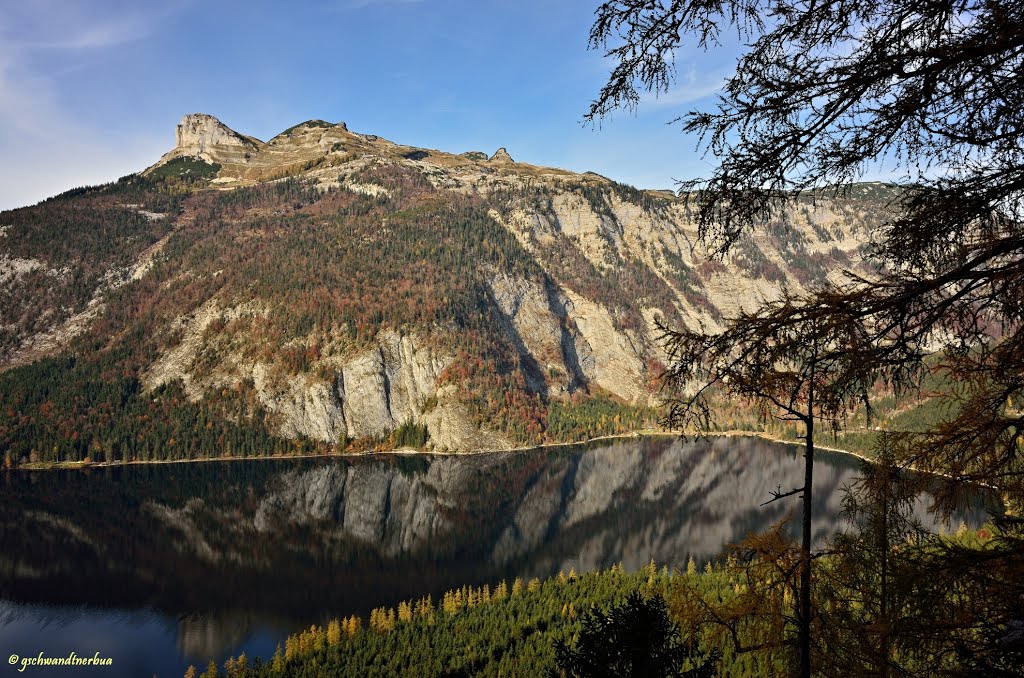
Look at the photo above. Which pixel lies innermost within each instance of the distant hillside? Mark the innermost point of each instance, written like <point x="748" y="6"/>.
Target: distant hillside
<point x="329" y="290"/>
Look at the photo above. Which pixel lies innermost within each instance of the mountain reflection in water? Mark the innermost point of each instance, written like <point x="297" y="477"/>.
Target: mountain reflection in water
<point x="224" y="553"/>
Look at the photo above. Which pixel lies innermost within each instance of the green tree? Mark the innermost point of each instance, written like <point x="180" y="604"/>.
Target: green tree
<point x="634" y="638"/>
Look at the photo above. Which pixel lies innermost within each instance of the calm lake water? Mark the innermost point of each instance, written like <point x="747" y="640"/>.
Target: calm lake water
<point x="159" y="567"/>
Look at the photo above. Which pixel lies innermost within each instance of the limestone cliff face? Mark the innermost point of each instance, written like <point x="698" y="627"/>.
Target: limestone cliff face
<point x="247" y="159"/>
<point x="367" y="394"/>
<point x="204" y="136"/>
<point x="388" y="385"/>
<point x="616" y="354"/>
<point x="573" y="340"/>
<point x="501" y="155"/>
<point x="541" y="325"/>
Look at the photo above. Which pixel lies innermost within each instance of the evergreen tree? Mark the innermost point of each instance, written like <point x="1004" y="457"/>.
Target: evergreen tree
<point x="634" y="638"/>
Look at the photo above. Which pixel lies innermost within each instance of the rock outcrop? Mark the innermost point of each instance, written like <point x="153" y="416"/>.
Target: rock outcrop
<point x="368" y="394"/>
<point x="204" y="136"/>
<point x="501" y="155"/>
<point x="540" y="323"/>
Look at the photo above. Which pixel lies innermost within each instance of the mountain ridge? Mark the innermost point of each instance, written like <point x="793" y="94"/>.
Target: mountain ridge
<point x="245" y="159"/>
<point x="330" y="288"/>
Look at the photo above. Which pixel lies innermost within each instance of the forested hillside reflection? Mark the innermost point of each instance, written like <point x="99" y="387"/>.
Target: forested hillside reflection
<point x="229" y="548"/>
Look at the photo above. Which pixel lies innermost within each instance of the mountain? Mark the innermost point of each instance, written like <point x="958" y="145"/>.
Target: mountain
<point x="328" y="289"/>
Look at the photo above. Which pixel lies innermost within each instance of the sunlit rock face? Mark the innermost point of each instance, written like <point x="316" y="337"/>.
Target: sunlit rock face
<point x="206" y="137"/>
<point x="203" y="136"/>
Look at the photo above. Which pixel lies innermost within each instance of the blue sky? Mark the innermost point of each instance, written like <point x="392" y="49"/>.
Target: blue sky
<point x="90" y="91"/>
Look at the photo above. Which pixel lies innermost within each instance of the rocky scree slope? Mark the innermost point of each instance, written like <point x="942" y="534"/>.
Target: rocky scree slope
<point x="327" y="287"/>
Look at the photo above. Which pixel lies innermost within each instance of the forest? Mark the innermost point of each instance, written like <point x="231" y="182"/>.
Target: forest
<point x="731" y="617"/>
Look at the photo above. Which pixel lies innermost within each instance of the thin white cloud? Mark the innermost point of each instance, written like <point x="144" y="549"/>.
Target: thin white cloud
<point x="46" y="148"/>
<point x="110" y="33"/>
<point x="688" y="88"/>
<point x="63" y="24"/>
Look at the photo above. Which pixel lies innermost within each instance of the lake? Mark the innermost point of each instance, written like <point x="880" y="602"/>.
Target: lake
<point x="162" y="566"/>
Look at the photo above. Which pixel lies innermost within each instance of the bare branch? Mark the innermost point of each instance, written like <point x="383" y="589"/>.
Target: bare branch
<point x="779" y="494"/>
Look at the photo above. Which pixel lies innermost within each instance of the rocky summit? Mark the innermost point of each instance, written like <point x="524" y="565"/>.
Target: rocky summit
<point x="327" y="288"/>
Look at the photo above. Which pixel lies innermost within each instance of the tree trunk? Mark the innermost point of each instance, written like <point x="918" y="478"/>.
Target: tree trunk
<point x="884" y="579"/>
<point x="804" y="613"/>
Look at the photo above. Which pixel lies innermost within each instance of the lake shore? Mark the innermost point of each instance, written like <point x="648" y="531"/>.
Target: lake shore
<point x="408" y="451"/>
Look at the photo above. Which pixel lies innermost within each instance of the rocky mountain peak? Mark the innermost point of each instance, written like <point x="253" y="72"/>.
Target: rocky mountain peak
<point x="502" y="155"/>
<point x="203" y="136"/>
<point x="198" y="134"/>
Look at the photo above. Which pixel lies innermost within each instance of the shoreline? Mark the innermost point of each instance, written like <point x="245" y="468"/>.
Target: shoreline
<point x="401" y="451"/>
<point x="410" y="452"/>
